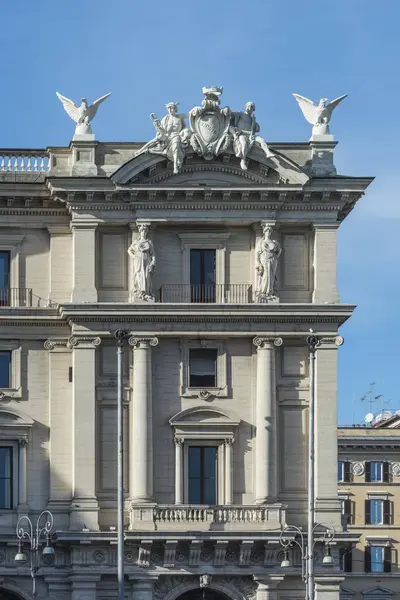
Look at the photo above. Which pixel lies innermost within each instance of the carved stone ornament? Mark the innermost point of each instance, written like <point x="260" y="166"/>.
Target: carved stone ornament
<point x="318" y="115"/>
<point x="268" y="252"/>
<point x="82" y="115"/>
<point x="208" y="130"/>
<point x="357" y="468"/>
<point x="136" y="341"/>
<point x="205" y="580"/>
<point x="260" y="342"/>
<point x="75" y="342"/>
<point x="143" y="263"/>
<point x="166" y="584"/>
<point x="395" y="469"/>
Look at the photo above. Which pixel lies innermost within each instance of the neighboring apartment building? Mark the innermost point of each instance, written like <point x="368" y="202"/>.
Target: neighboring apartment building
<point x="217" y="263"/>
<point x="368" y="474"/>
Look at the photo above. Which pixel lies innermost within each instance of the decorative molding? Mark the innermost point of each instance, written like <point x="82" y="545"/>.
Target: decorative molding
<point x="264" y="342"/>
<point x="52" y="344"/>
<point x="92" y="341"/>
<point x="358" y="468"/>
<point x="395" y="469"/>
<point x="221" y="389"/>
<point x="137" y="341"/>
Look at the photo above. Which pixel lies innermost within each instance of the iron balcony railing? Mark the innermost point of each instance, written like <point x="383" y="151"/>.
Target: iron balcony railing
<point x="229" y="293"/>
<point x="20" y="297"/>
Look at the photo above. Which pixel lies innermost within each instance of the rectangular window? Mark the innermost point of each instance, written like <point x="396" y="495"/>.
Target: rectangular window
<point x="203" y="367"/>
<point x="377" y="559"/>
<point x="6" y="483"/>
<point x="340" y="470"/>
<point x="202" y="275"/>
<point x="202" y="471"/>
<point x="5" y="369"/>
<point x="346" y="560"/>
<point x="376" y="471"/>
<point x="4" y="277"/>
<point x="376" y="512"/>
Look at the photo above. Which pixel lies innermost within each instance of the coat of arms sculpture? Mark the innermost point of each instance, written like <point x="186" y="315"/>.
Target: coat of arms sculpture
<point x="208" y="130"/>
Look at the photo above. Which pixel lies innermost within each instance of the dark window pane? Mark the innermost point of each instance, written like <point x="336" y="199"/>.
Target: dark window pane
<point x="202" y="475"/>
<point x="203" y="367"/>
<point x="202" y="267"/>
<point x="5" y="477"/>
<point x="210" y="492"/>
<point x="5" y="368"/>
<point x="194" y="491"/>
<point x="4" y="270"/>
<point x="210" y="461"/>
<point x="340" y="470"/>
<point x="195" y="267"/>
<point x="194" y="461"/>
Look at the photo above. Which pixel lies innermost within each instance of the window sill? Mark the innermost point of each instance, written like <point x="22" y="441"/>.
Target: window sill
<point x="205" y="393"/>
<point x="10" y="393"/>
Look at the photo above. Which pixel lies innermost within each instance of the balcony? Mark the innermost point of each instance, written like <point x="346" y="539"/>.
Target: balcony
<point x="23" y="297"/>
<point x="24" y="161"/>
<point x="206" y="518"/>
<point x="235" y="293"/>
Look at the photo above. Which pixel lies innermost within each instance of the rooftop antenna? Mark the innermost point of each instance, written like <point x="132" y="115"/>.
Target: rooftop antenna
<point x="369" y="396"/>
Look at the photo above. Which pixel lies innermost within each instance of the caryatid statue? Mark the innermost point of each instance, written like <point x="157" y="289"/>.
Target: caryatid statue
<point x="172" y="136"/>
<point x="268" y="252"/>
<point x="143" y="264"/>
<point x="83" y="114"/>
<point x="244" y="128"/>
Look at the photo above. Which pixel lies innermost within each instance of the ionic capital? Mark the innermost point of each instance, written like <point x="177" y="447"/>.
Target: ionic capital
<point x="84" y="341"/>
<point x="142" y="342"/>
<point x="56" y="344"/>
<point x="263" y="343"/>
<point x="179" y="441"/>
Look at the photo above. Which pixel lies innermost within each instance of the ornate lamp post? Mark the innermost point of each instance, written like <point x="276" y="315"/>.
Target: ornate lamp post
<point x="33" y="535"/>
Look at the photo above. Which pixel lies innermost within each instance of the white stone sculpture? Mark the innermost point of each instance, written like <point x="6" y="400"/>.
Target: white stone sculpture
<point x="82" y="115"/>
<point x="171" y="136"/>
<point x="319" y="114"/>
<point x="205" y="580"/>
<point x="143" y="263"/>
<point x="244" y="128"/>
<point x="208" y="129"/>
<point x="268" y="252"/>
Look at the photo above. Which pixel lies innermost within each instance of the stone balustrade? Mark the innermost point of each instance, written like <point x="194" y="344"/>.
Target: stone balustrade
<point x="25" y="161"/>
<point x="206" y="518"/>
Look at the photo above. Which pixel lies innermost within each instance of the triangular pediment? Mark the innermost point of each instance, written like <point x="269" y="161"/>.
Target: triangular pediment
<point x="377" y="592"/>
<point x="223" y="170"/>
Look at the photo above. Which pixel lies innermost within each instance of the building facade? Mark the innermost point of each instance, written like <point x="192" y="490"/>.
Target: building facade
<point x="368" y="475"/>
<point x="216" y="254"/>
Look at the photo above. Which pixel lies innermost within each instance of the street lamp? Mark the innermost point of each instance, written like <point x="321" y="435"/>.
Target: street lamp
<point x="120" y="336"/>
<point x="44" y="525"/>
<point x="293" y="535"/>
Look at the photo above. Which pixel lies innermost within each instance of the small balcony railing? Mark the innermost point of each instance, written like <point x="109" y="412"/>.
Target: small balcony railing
<point x="24" y="161"/>
<point x="23" y="297"/>
<point x="229" y="293"/>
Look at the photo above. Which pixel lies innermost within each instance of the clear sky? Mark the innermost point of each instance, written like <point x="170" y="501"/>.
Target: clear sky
<point x="149" y="53"/>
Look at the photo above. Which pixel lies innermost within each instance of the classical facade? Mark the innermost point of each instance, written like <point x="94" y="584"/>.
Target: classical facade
<point x="368" y="476"/>
<point x="216" y="253"/>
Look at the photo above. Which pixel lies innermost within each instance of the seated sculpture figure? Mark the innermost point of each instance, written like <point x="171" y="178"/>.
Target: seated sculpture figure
<point x="244" y="128"/>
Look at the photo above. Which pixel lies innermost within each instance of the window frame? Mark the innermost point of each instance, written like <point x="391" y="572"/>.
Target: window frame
<point x="204" y="241"/>
<point x="14" y="445"/>
<point x="14" y="391"/>
<point x="202" y="475"/>
<point x="204" y="393"/>
<point x="370" y="477"/>
<point x="381" y="502"/>
<point x="215" y="364"/>
<point x="11" y="243"/>
<point x="221" y="475"/>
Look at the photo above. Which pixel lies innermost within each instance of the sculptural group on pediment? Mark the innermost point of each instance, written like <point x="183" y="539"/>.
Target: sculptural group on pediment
<point x="208" y="130"/>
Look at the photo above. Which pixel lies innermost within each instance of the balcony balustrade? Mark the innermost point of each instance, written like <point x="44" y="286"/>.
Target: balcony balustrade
<point x="23" y="297"/>
<point x="25" y="161"/>
<point x="234" y="293"/>
<point x="207" y="518"/>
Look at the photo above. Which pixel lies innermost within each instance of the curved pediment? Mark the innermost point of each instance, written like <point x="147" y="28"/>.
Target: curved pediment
<point x="9" y="417"/>
<point x="203" y="422"/>
<point x="223" y="170"/>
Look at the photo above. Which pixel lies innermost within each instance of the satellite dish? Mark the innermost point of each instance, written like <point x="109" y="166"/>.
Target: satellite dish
<point x="369" y="417"/>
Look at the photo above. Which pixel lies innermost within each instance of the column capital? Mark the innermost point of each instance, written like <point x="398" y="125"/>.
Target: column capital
<point x="144" y="342"/>
<point x="179" y="440"/>
<point x="316" y="342"/>
<point x="83" y="224"/>
<point x="84" y="341"/>
<point x="60" y="344"/>
<point x="267" y="582"/>
<point x="262" y="343"/>
<point x="229" y="441"/>
<point x="23" y="442"/>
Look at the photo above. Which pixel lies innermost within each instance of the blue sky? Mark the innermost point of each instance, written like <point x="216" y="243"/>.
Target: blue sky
<point x="149" y="53"/>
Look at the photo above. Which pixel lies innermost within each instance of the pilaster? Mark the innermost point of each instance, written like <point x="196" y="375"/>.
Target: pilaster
<point x="266" y="435"/>
<point x="23" y="507"/>
<point x="60" y="275"/>
<point x="142" y="589"/>
<point x="328" y="588"/>
<point x="60" y="396"/>
<point x="178" y="470"/>
<point x="84" y="261"/>
<point x="83" y="587"/>
<point x="84" y="506"/>
<point x="267" y="587"/>
<point x="325" y="286"/>
<point x="141" y="422"/>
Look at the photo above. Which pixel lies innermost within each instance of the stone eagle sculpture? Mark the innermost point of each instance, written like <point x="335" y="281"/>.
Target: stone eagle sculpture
<point x="83" y="114"/>
<point x="319" y="114"/>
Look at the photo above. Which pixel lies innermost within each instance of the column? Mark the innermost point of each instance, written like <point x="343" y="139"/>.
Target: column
<point x="22" y="473"/>
<point x="84" y="261"/>
<point x="327" y="505"/>
<point x="228" y="471"/>
<point x="141" y="426"/>
<point x="60" y="412"/>
<point x="142" y="589"/>
<point x="178" y="470"/>
<point x="84" y="506"/>
<point x="83" y="587"/>
<point x="266" y="453"/>
<point x="267" y="587"/>
<point x="325" y="287"/>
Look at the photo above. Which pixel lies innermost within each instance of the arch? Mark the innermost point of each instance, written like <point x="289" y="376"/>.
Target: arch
<point x="9" y="590"/>
<point x="220" y="587"/>
<point x="192" y="415"/>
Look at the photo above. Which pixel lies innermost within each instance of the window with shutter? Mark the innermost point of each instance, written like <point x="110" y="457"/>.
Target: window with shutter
<point x="367" y="559"/>
<point x="347" y="472"/>
<point x="387" y="562"/>
<point x="348" y="561"/>
<point x="387" y="516"/>
<point x="347" y="510"/>
<point x="367" y="471"/>
<point x="377" y="559"/>
<point x="385" y="472"/>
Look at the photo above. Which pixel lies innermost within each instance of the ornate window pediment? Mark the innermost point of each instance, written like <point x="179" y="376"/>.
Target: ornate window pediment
<point x="377" y="593"/>
<point x="14" y="424"/>
<point x="204" y="422"/>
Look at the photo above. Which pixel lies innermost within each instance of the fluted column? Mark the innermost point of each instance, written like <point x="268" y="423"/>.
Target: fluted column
<point x="178" y="470"/>
<point x="266" y="453"/>
<point x="22" y="472"/>
<point x="141" y="422"/>
<point x="228" y="471"/>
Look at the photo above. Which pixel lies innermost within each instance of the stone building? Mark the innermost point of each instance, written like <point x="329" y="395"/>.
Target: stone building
<point x="368" y="475"/>
<point x="217" y="254"/>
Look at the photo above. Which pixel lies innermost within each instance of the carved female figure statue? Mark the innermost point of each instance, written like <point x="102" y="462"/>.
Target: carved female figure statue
<point x="143" y="262"/>
<point x="268" y="252"/>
